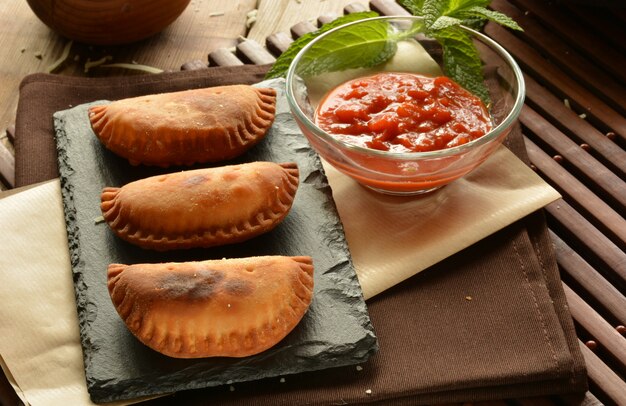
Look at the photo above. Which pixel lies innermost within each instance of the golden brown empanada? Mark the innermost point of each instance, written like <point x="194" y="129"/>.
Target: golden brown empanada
<point x="183" y="128"/>
<point x="229" y="307"/>
<point x="202" y="207"/>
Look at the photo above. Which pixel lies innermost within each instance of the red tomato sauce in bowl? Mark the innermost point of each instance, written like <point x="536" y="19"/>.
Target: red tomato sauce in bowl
<point x="403" y="112"/>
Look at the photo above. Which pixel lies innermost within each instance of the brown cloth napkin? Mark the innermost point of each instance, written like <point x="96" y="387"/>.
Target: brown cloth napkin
<point x="490" y="322"/>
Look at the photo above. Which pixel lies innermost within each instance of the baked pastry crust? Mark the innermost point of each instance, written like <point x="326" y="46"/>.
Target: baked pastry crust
<point x="187" y="127"/>
<point x="202" y="207"/>
<point x="226" y="308"/>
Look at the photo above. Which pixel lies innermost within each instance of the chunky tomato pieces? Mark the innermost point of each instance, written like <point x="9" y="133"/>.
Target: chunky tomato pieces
<point x="403" y="112"/>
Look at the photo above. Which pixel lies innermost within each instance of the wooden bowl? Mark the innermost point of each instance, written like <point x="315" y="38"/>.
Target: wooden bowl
<point x="107" y="22"/>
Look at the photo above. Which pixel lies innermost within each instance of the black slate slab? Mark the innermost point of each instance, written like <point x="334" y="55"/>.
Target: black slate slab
<point x="336" y="331"/>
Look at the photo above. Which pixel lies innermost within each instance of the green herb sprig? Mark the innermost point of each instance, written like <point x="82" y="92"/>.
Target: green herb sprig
<point x="280" y="67"/>
<point x="369" y="47"/>
<point x="443" y="19"/>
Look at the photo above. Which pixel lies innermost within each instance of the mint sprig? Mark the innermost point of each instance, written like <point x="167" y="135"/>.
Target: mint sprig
<point x="361" y="46"/>
<point x="443" y="20"/>
<point x="462" y="62"/>
<point x="370" y="45"/>
<point x="280" y="67"/>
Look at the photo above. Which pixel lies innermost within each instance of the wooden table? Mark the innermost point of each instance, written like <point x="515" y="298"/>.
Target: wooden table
<point x="574" y="123"/>
<point x="28" y="46"/>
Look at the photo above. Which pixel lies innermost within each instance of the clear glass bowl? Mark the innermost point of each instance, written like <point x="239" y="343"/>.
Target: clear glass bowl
<point x="314" y="72"/>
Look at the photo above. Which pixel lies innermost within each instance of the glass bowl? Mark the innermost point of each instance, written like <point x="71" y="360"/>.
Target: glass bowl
<point x="326" y="63"/>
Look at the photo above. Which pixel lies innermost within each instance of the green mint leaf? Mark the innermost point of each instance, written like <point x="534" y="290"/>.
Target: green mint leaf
<point x="361" y="46"/>
<point x="280" y="67"/>
<point x="462" y="62"/>
<point x="473" y="22"/>
<point x="455" y="6"/>
<point x="444" y="22"/>
<point x="371" y="45"/>
<point x="433" y="9"/>
<point x="414" y="6"/>
<point x="460" y="57"/>
<point x="496" y="16"/>
<point x="457" y="9"/>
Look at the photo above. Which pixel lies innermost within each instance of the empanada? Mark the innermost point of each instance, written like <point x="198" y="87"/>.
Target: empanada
<point x="183" y="128"/>
<point x="229" y="307"/>
<point x="202" y="207"/>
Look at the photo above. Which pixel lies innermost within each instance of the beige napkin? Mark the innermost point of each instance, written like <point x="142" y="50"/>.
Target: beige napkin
<point x="39" y="339"/>
<point x="390" y="238"/>
<point x="393" y="238"/>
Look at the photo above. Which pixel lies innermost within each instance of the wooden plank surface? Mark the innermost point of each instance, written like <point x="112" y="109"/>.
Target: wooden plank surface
<point x="574" y="123"/>
<point x="594" y="324"/>
<point x="599" y="213"/>
<point x="28" y="46"/>
<point x="589" y="282"/>
<point x="576" y="32"/>
<point x="581" y="131"/>
<point x="280" y="15"/>
<point x="562" y="85"/>
<point x="604" y="379"/>
<point x="567" y="57"/>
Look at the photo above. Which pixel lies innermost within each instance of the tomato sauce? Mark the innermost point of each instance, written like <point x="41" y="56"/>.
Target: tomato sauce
<point x="403" y="112"/>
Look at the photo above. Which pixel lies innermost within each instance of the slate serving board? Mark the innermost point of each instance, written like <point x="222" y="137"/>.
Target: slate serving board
<point x="336" y="330"/>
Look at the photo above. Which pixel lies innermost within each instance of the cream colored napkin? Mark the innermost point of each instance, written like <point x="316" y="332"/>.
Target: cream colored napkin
<point x="39" y="338"/>
<point x="390" y="238"/>
<point x="38" y="321"/>
<point x="393" y="238"/>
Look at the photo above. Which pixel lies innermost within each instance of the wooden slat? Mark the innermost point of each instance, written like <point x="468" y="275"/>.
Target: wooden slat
<point x="612" y="188"/>
<point x="554" y="109"/>
<point x="558" y="81"/>
<point x="388" y="8"/>
<point x="598" y="20"/>
<point x="601" y="290"/>
<point x="603" y="377"/>
<point x="577" y="194"/>
<point x="278" y="43"/>
<point x="250" y="51"/>
<point x="552" y="16"/>
<point x="600" y="329"/>
<point x="588" y="241"/>
<point x="223" y="57"/>
<point x="280" y="15"/>
<point x="303" y="27"/>
<point x="567" y="57"/>
<point x="326" y="18"/>
<point x="354" y="8"/>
